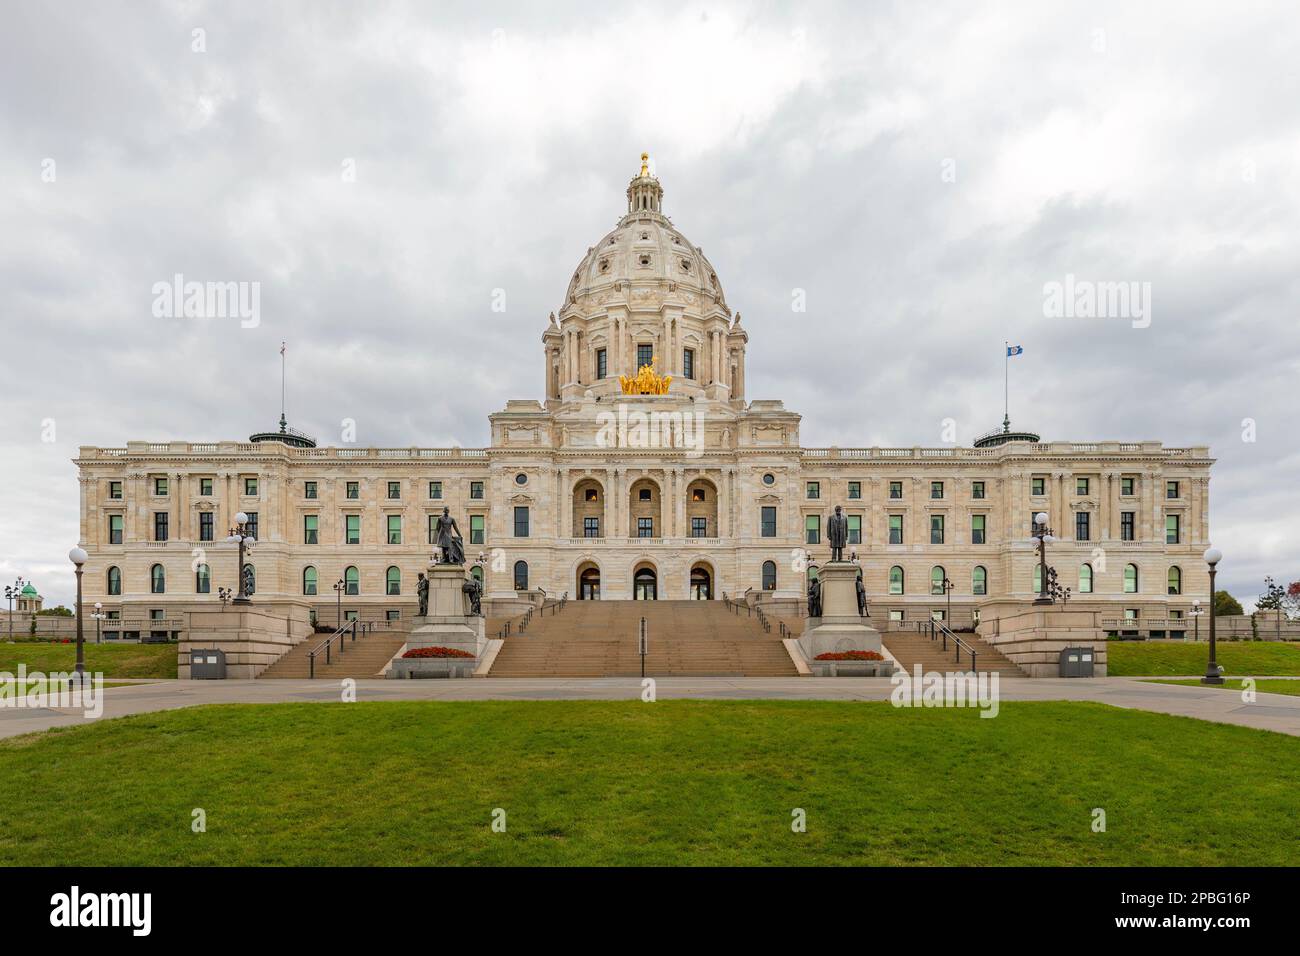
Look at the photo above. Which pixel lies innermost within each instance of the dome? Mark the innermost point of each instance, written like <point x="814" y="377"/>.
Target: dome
<point x="645" y="252"/>
<point x="29" y="591"/>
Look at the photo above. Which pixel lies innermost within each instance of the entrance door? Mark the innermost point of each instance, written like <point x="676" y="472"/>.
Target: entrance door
<point x="645" y="586"/>
<point x="701" y="585"/>
<point x="589" y="584"/>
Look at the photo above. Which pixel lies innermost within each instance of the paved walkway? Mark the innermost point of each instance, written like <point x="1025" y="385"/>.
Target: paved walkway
<point x="1278" y="712"/>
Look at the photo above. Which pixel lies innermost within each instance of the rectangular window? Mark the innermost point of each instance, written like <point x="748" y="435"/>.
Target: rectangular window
<point x="936" y="489"/>
<point x="1171" y="489"/>
<point x="309" y="489"/>
<point x="591" y="527"/>
<point x="1082" y="529"/>
<point x="855" y="489"/>
<point x="855" y="529"/>
<point x="160" y="487"/>
<point x="645" y="354"/>
<point x="310" y="529"/>
<point x="250" y="487"/>
<point x="1171" y="529"/>
<point x="601" y="365"/>
<point x="977" y="529"/>
<point x="251" y="526"/>
<point x="812" y="529"/>
<point x="205" y="487"/>
<point x="1126" y="525"/>
<point x="115" y="490"/>
<point x="977" y="490"/>
<point x="1038" y="486"/>
<point x="1081" y="486"/>
<point x="645" y="527"/>
<point x="699" y="527"/>
<point x="114" y="529"/>
<point x="895" y="529"/>
<point x="521" y="521"/>
<point x="936" y="529"/>
<point x="476" y="489"/>
<point x="353" y="489"/>
<point x="767" y="521"/>
<point x="352" y="526"/>
<point x="394" y="490"/>
<point x="814" y="490"/>
<point x="688" y="363"/>
<point x="896" y="489"/>
<point x="476" y="523"/>
<point x="160" y="526"/>
<point x="435" y="489"/>
<point x="205" y="525"/>
<point x="394" y="529"/>
<point x="895" y="615"/>
<point x="1126" y="487"/>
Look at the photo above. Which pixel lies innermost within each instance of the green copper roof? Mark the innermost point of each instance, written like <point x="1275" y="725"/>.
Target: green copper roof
<point x="29" y="591"/>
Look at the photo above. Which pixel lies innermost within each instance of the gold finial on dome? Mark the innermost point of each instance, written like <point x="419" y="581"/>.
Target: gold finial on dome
<point x="645" y="164"/>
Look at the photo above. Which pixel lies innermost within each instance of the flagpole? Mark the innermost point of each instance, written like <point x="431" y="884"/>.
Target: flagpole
<point x="1006" y="380"/>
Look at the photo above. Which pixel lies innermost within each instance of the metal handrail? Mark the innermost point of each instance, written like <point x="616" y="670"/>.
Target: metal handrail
<point x="940" y="630"/>
<point x="325" y="645"/>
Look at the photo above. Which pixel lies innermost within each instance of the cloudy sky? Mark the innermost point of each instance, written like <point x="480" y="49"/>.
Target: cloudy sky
<point x="920" y="171"/>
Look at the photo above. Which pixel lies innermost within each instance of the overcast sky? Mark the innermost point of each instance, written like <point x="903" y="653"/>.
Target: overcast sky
<point x="919" y="170"/>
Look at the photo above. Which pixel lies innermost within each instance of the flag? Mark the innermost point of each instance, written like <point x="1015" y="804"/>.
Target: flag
<point x="1014" y="350"/>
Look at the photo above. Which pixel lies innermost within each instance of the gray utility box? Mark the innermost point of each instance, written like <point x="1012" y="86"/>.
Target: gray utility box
<point x="1076" y="662"/>
<point x="208" y="665"/>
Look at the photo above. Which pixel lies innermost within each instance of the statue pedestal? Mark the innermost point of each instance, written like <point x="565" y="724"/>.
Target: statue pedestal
<point x="449" y="622"/>
<point x="840" y="628"/>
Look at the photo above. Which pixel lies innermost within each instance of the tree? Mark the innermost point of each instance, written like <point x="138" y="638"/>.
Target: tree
<point x="56" y="611"/>
<point x="1225" y="604"/>
<point x="1271" y="599"/>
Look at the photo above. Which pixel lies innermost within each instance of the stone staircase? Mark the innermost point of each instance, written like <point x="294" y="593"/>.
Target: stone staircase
<point x="687" y="638"/>
<point x="361" y="659"/>
<point x="912" y="649"/>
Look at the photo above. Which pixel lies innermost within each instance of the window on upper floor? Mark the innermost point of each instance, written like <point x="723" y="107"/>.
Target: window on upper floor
<point x="114" y="529"/>
<point x="895" y="529"/>
<point x="352" y="489"/>
<point x="476" y="489"/>
<point x="205" y="487"/>
<point x="602" y="368"/>
<point x="477" y="524"/>
<point x="115" y="490"/>
<point x="1171" y="489"/>
<point x="1038" y="485"/>
<point x="977" y="523"/>
<point x="855" y="529"/>
<point x="896" y="489"/>
<point x="435" y="489"/>
<point x="250" y="487"/>
<point x="688" y="363"/>
<point x="309" y="489"/>
<point x="1081" y="486"/>
<point x="1127" y="525"/>
<point x="855" y="490"/>
<point x="352" y="529"/>
<point x="521" y="521"/>
<point x="936" y="489"/>
<point x="813" y="490"/>
<point x="394" y="529"/>
<point x="645" y="354"/>
<point x="767" y="521"/>
<point x="1126" y="486"/>
<point x="160" y="486"/>
<point x="160" y="526"/>
<point x="977" y="490"/>
<point x="394" y="490"/>
<point x="812" y="529"/>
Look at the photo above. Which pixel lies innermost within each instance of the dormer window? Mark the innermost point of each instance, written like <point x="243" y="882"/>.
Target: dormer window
<point x="604" y="265"/>
<point x="645" y="259"/>
<point x="645" y="235"/>
<point x="686" y="265"/>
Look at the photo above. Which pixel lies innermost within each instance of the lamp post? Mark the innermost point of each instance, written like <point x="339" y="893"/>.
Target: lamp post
<point x="11" y="593"/>
<point x="1043" y="535"/>
<point x="78" y="557"/>
<point x="339" y="587"/>
<point x="947" y="590"/>
<point x="1212" y="676"/>
<point x="224" y="595"/>
<point x="239" y="535"/>
<point x="1196" y="613"/>
<point x="98" y="616"/>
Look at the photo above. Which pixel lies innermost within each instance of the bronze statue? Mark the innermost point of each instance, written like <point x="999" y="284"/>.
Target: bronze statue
<point x="862" y="596"/>
<point x="448" y="538"/>
<point x="837" y="533"/>
<point x="250" y="581"/>
<point x="474" y="591"/>
<point x="814" y="598"/>
<point x="422" y="591"/>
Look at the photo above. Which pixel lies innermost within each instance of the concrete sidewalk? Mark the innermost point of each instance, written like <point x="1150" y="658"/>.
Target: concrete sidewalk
<point x="1275" y="712"/>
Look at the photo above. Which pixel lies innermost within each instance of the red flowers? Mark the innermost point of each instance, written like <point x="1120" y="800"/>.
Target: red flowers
<point x="437" y="652"/>
<point x="850" y="656"/>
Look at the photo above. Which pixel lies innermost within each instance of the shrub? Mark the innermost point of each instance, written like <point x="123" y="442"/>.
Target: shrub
<point x="437" y="652"/>
<point x="850" y="656"/>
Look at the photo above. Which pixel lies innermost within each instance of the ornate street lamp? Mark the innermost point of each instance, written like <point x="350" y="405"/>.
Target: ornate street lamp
<point x="1212" y="676"/>
<point x="78" y="557"/>
<point x="1196" y="613"/>
<point x="239" y="535"/>
<point x="947" y="586"/>
<point x="98" y="616"/>
<point x="11" y="595"/>
<point x="339" y="587"/>
<point x="224" y="595"/>
<point x="1043" y="536"/>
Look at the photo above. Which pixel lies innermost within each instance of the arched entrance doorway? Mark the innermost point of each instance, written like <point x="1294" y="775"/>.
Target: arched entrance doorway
<point x="645" y="584"/>
<point x="588" y="583"/>
<point x="701" y="583"/>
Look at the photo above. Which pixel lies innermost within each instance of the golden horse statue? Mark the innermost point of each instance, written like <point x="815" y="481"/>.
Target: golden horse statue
<point x="645" y="382"/>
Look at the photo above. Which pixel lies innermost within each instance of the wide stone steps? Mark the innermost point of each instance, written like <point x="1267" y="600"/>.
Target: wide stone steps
<point x="913" y="649"/>
<point x="363" y="658"/>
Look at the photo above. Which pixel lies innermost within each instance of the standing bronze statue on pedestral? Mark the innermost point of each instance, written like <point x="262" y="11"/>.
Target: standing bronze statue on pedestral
<point x="814" y="598"/>
<point x="448" y="538"/>
<point x="837" y="533"/>
<point x="422" y="592"/>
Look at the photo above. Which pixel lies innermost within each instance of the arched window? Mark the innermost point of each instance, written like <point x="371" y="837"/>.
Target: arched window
<point x="309" y="579"/>
<point x="1038" y="579"/>
<point x="476" y="573"/>
<point x="979" y="580"/>
<point x="393" y="581"/>
<point x="521" y="575"/>
<point x="1175" y="580"/>
<point x="157" y="579"/>
<point x="1130" y="579"/>
<point x="202" y="580"/>
<point x="937" y="576"/>
<point x="351" y="580"/>
<point x="1085" y="579"/>
<point x="114" y="580"/>
<point x="769" y="575"/>
<point x="895" y="580"/>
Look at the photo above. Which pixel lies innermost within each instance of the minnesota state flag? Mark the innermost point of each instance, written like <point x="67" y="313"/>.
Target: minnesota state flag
<point x="1014" y="350"/>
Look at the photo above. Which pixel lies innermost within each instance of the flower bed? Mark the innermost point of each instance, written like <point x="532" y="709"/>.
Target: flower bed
<point x="437" y="652"/>
<point x="850" y="656"/>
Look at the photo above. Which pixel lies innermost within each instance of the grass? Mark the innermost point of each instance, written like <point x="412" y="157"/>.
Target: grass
<point x="112" y="660"/>
<point x="674" y="782"/>
<point x="1265" y="686"/>
<point x="1249" y="658"/>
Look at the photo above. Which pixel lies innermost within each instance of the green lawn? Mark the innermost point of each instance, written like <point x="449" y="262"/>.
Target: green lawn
<point x="674" y="782"/>
<point x="1264" y="686"/>
<point x="1249" y="658"/>
<point x="113" y="660"/>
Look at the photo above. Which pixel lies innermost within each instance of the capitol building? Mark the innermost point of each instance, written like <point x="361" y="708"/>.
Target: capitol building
<point x="645" y="471"/>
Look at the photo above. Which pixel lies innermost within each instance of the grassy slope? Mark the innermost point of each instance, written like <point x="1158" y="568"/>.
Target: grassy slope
<point x="1265" y="686"/>
<point x="1140" y="659"/>
<point x="113" y="660"/>
<point x="696" y="782"/>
